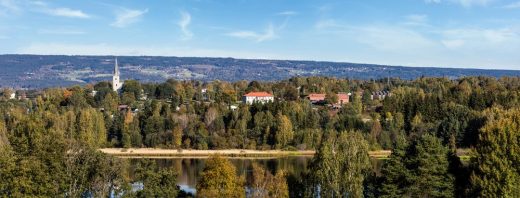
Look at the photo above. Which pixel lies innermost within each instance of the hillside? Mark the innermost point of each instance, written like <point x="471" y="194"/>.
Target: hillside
<point x="39" y="71"/>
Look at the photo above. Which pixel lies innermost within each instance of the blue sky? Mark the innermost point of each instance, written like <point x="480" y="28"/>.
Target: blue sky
<point x="441" y="33"/>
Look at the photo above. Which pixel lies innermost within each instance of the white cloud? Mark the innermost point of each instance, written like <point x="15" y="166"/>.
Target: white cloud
<point x="464" y="3"/>
<point x="382" y="37"/>
<point x="125" y="17"/>
<point x="453" y="44"/>
<point x="432" y="1"/>
<point x="9" y="5"/>
<point x="484" y="37"/>
<point x="43" y="7"/>
<point x="391" y="38"/>
<point x="183" y="23"/>
<point x="268" y="34"/>
<point x="469" y="3"/>
<point x="120" y="50"/>
<point x="513" y="5"/>
<point x="61" y="31"/>
<point x="38" y="3"/>
<point x="287" y="13"/>
<point x="327" y="24"/>
<point x="66" y="12"/>
<point x="416" y="20"/>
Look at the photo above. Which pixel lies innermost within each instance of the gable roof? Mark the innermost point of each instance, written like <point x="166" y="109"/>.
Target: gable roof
<point x="259" y="94"/>
<point x="342" y="96"/>
<point x="315" y="96"/>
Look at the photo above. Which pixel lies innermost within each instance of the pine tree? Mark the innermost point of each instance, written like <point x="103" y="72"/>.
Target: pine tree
<point x="395" y="174"/>
<point x="427" y="161"/>
<point x="496" y="172"/>
<point x="420" y="169"/>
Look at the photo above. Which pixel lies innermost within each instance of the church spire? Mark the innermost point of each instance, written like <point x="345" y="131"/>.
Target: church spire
<point x="116" y="83"/>
<point x="116" y="69"/>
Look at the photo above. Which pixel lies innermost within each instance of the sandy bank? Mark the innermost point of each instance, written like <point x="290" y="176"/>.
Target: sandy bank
<point x="164" y="153"/>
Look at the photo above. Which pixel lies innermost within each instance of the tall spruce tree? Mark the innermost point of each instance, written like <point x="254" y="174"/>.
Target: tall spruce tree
<point x="420" y="169"/>
<point x="427" y="161"/>
<point x="394" y="171"/>
<point x="496" y="165"/>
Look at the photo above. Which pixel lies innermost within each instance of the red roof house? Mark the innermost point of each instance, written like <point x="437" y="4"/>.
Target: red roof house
<point x="261" y="97"/>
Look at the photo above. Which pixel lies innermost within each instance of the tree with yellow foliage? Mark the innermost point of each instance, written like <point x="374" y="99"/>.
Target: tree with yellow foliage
<point x="219" y="179"/>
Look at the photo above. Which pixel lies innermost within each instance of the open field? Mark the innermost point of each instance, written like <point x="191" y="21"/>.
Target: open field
<point x="179" y="153"/>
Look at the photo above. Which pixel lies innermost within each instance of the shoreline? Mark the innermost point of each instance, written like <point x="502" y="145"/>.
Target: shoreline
<point x="231" y="153"/>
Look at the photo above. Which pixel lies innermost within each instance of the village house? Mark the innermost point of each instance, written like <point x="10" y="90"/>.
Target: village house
<point x="316" y="98"/>
<point x="204" y="94"/>
<point x="261" y="97"/>
<point x="93" y="93"/>
<point x="12" y="95"/>
<point x="379" y="95"/>
<point x="343" y="98"/>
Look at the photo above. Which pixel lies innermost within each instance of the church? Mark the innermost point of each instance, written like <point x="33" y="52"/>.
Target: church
<point x="116" y="84"/>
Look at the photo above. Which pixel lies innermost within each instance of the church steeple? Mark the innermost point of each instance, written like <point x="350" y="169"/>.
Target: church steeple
<point x="116" y="69"/>
<point x="116" y="84"/>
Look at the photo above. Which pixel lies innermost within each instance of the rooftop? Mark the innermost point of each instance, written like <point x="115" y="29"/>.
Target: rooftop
<point x="259" y="94"/>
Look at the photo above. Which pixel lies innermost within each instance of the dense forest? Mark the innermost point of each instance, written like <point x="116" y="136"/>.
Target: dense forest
<point x="49" y="142"/>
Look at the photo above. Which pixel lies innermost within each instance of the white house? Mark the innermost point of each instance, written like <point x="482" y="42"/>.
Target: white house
<point x="379" y="95"/>
<point x="261" y="97"/>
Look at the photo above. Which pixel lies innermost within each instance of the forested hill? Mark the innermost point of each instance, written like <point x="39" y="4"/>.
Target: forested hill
<point x="38" y="71"/>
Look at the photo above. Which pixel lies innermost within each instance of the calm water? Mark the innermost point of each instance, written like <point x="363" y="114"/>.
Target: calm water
<point x="189" y="169"/>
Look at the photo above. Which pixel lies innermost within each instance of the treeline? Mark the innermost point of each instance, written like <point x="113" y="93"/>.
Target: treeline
<point x="192" y="114"/>
<point x="424" y="122"/>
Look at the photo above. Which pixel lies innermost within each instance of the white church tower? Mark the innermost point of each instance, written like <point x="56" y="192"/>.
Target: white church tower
<point x="116" y="85"/>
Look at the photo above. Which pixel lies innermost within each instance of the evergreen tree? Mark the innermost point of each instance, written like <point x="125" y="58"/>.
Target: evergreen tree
<point x="427" y="161"/>
<point x="157" y="182"/>
<point x="395" y="174"/>
<point x="496" y="171"/>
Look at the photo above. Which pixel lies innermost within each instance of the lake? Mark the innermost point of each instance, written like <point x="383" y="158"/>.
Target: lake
<point x="189" y="169"/>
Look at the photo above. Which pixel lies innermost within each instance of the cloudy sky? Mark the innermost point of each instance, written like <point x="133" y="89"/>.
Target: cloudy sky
<point x="442" y="33"/>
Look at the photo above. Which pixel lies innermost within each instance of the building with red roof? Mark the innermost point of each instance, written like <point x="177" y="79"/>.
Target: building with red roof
<point x="315" y="98"/>
<point x="261" y="97"/>
<point x="343" y="98"/>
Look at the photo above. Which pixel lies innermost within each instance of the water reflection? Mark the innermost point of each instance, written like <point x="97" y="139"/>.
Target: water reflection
<point x="189" y="169"/>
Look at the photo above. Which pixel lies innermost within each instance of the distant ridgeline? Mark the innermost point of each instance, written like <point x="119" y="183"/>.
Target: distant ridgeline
<point x="40" y="71"/>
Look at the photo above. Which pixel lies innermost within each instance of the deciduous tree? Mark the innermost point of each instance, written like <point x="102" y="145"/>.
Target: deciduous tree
<point x="219" y="179"/>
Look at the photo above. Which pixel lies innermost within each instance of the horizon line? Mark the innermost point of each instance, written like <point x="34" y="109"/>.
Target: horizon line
<point x="272" y="59"/>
